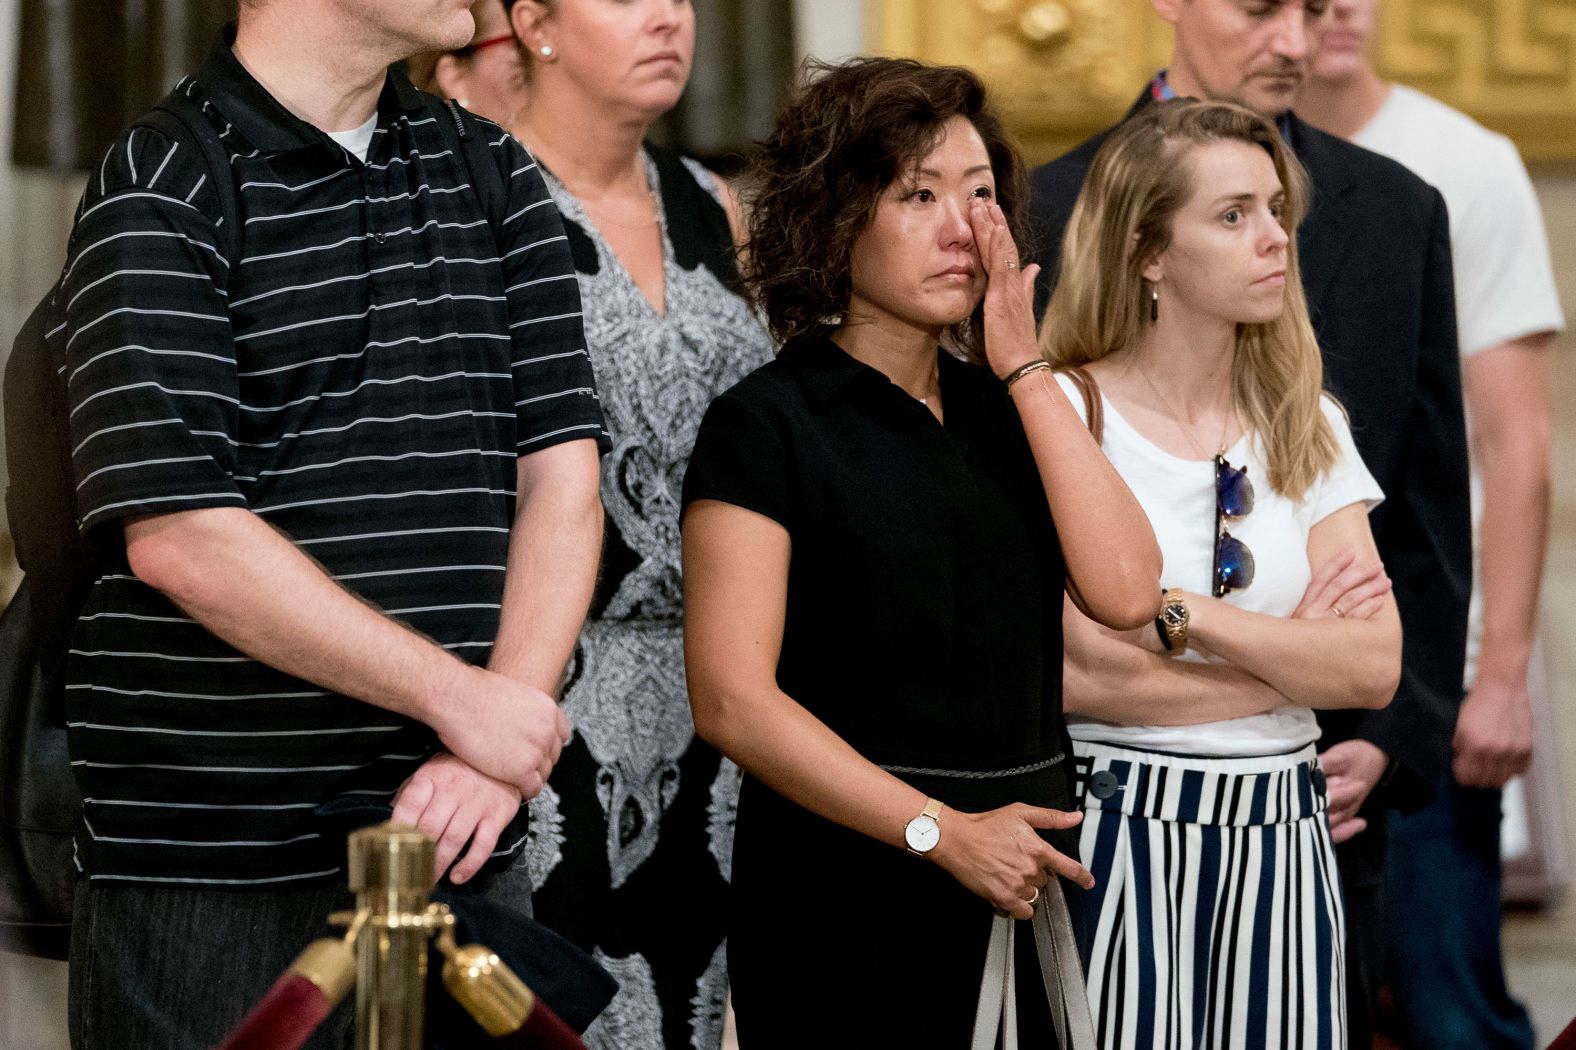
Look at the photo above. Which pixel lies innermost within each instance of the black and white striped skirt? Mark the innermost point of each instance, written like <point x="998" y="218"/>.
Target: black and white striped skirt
<point x="1216" y="918"/>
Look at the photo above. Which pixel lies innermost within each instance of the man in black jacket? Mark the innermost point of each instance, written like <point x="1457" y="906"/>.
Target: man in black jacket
<point x="1375" y="255"/>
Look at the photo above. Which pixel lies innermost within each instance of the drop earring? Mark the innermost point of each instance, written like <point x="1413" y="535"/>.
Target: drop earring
<point x="1154" y="304"/>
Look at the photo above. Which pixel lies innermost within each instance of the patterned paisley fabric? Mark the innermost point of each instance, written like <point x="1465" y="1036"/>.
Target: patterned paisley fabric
<point x="631" y="840"/>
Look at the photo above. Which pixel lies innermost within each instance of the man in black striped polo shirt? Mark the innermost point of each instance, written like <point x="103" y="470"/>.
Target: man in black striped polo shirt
<point x="355" y="470"/>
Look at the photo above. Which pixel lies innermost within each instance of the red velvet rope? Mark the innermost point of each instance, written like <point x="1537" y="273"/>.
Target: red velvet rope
<point x="283" y="1019"/>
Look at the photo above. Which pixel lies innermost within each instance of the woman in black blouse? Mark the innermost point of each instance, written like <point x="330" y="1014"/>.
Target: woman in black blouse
<point x="877" y="536"/>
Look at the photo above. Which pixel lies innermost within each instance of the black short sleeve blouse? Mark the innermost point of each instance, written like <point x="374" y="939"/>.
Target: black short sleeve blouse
<point x="925" y="584"/>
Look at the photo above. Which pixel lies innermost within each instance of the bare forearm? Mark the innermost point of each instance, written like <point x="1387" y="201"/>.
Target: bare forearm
<point x="1509" y="390"/>
<point x="1113" y="561"/>
<point x="248" y="584"/>
<point x="1116" y="681"/>
<point x="1322" y="664"/>
<point x="773" y="738"/>
<point x="1515" y="537"/>
<point x="553" y="552"/>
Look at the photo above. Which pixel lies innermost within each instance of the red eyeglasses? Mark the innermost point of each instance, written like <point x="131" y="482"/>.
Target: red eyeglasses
<point x="470" y="49"/>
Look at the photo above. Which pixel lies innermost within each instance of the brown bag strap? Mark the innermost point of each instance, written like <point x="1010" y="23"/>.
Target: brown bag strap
<point x="1094" y="404"/>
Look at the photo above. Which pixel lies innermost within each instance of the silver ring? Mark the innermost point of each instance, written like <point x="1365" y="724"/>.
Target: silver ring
<point x="1012" y="266"/>
<point x="1034" y="898"/>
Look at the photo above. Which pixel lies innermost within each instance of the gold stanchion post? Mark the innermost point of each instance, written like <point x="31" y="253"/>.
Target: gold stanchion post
<point x="391" y="872"/>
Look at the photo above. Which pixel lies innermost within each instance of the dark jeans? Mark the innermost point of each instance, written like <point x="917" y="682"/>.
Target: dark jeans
<point x="1362" y="866"/>
<point x="1364" y="962"/>
<point x="1442" y="915"/>
<point x="171" y="968"/>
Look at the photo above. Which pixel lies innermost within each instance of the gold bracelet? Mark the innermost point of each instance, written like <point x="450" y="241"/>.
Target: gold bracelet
<point x="1023" y="370"/>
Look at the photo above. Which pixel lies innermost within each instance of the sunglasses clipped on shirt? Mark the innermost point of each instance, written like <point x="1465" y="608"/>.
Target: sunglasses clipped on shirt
<point x="1233" y="499"/>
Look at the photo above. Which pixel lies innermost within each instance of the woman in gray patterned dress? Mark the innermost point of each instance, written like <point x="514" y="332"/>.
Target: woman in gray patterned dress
<point x="631" y="839"/>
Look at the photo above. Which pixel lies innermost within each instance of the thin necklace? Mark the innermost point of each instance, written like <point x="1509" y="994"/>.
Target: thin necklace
<point x="594" y="204"/>
<point x="1187" y="430"/>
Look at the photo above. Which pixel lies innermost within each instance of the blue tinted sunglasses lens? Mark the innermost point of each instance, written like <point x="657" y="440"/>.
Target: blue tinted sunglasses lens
<point x="1234" y="564"/>
<point x="1233" y="490"/>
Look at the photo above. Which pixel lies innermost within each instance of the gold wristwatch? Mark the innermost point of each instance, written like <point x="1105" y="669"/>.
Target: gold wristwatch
<point x="924" y="831"/>
<point x="1171" y="624"/>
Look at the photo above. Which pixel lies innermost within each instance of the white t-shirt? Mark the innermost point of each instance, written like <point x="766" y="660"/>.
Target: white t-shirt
<point x="1178" y="495"/>
<point x="357" y="140"/>
<point x="1500" y="253"/>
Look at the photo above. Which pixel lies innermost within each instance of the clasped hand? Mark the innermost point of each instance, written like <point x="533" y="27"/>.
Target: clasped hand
<point x="502" y="727"/>
<point x="504" y="737"/>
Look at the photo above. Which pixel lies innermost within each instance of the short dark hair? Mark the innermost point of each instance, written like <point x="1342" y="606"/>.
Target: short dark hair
<point x="849" y="132"/>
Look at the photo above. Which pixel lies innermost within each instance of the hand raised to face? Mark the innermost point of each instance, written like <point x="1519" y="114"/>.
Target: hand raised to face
<point x="1009" y="290"/>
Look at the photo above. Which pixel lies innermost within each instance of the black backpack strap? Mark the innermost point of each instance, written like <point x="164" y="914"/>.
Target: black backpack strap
<point x="180" y="119"/>
<point x="468" y="139"/>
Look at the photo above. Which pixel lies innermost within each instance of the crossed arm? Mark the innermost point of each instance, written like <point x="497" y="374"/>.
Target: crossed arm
<point x="1311" y="659"/>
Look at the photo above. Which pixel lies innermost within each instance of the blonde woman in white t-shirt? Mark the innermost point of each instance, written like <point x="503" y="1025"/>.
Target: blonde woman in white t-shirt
<point x="1216" y="916"/>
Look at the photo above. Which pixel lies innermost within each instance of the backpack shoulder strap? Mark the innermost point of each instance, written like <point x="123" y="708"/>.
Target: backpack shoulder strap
<point x="179" y="118"/>
<point x="469" y="140"/>
<point x="1094" y="404"/>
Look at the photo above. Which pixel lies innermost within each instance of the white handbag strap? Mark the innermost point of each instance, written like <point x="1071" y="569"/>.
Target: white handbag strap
<point x="995" y="992"/>
<point x="1060" y="971"/>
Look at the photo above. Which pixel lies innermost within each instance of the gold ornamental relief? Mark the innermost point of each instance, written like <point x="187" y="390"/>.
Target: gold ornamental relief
<point x="1063" y="69"/>
<point x="1511" y="64"/>
<point x="1059" y="69"/>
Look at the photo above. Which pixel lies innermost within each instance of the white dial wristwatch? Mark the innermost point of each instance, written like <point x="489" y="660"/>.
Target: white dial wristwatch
<point x="924" y="831"/>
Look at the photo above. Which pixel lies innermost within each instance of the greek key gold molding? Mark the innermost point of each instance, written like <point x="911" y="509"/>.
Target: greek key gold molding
<point x="1511" y="64"/>
<point x="1062" y="69"/>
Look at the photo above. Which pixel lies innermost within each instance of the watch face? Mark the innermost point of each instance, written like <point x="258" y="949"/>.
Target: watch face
<point x="922" y="834"/>
<point x="1175" y="615"/>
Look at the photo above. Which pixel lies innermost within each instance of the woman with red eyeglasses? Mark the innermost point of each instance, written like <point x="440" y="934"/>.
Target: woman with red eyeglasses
<point x="1180" y="326"/>
<point x="486" y="76"/>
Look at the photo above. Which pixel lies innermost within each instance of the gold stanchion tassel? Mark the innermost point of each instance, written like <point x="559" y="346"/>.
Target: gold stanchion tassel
<point x="498" y="1000"/>
<point x="490" y="991"/>
<point x="330" y="964"/>
<point x="300" y="1000"/>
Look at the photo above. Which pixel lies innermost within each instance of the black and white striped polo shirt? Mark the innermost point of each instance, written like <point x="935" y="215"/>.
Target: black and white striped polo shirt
<point x="363" y="378"/>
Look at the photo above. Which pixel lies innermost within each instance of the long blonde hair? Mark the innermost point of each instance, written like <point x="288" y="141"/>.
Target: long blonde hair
<point x="1123" y="219"/>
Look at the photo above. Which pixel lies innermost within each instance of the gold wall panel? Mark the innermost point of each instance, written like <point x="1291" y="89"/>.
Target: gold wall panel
<point x="1062" y="69"/>
<point x="1058" y="69"/>
<point x="1511" y="64"/>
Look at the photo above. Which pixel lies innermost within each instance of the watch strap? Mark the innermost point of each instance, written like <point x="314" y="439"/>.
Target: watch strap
<point x="1172" y="636"/>
<point x="1160" y="629"/>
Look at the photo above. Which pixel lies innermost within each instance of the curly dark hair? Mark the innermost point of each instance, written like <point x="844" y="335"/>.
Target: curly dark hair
<point x="850" y="131"/>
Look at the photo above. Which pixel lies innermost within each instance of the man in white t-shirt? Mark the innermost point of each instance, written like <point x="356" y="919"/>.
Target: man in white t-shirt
<point x="1442" y="911"/>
